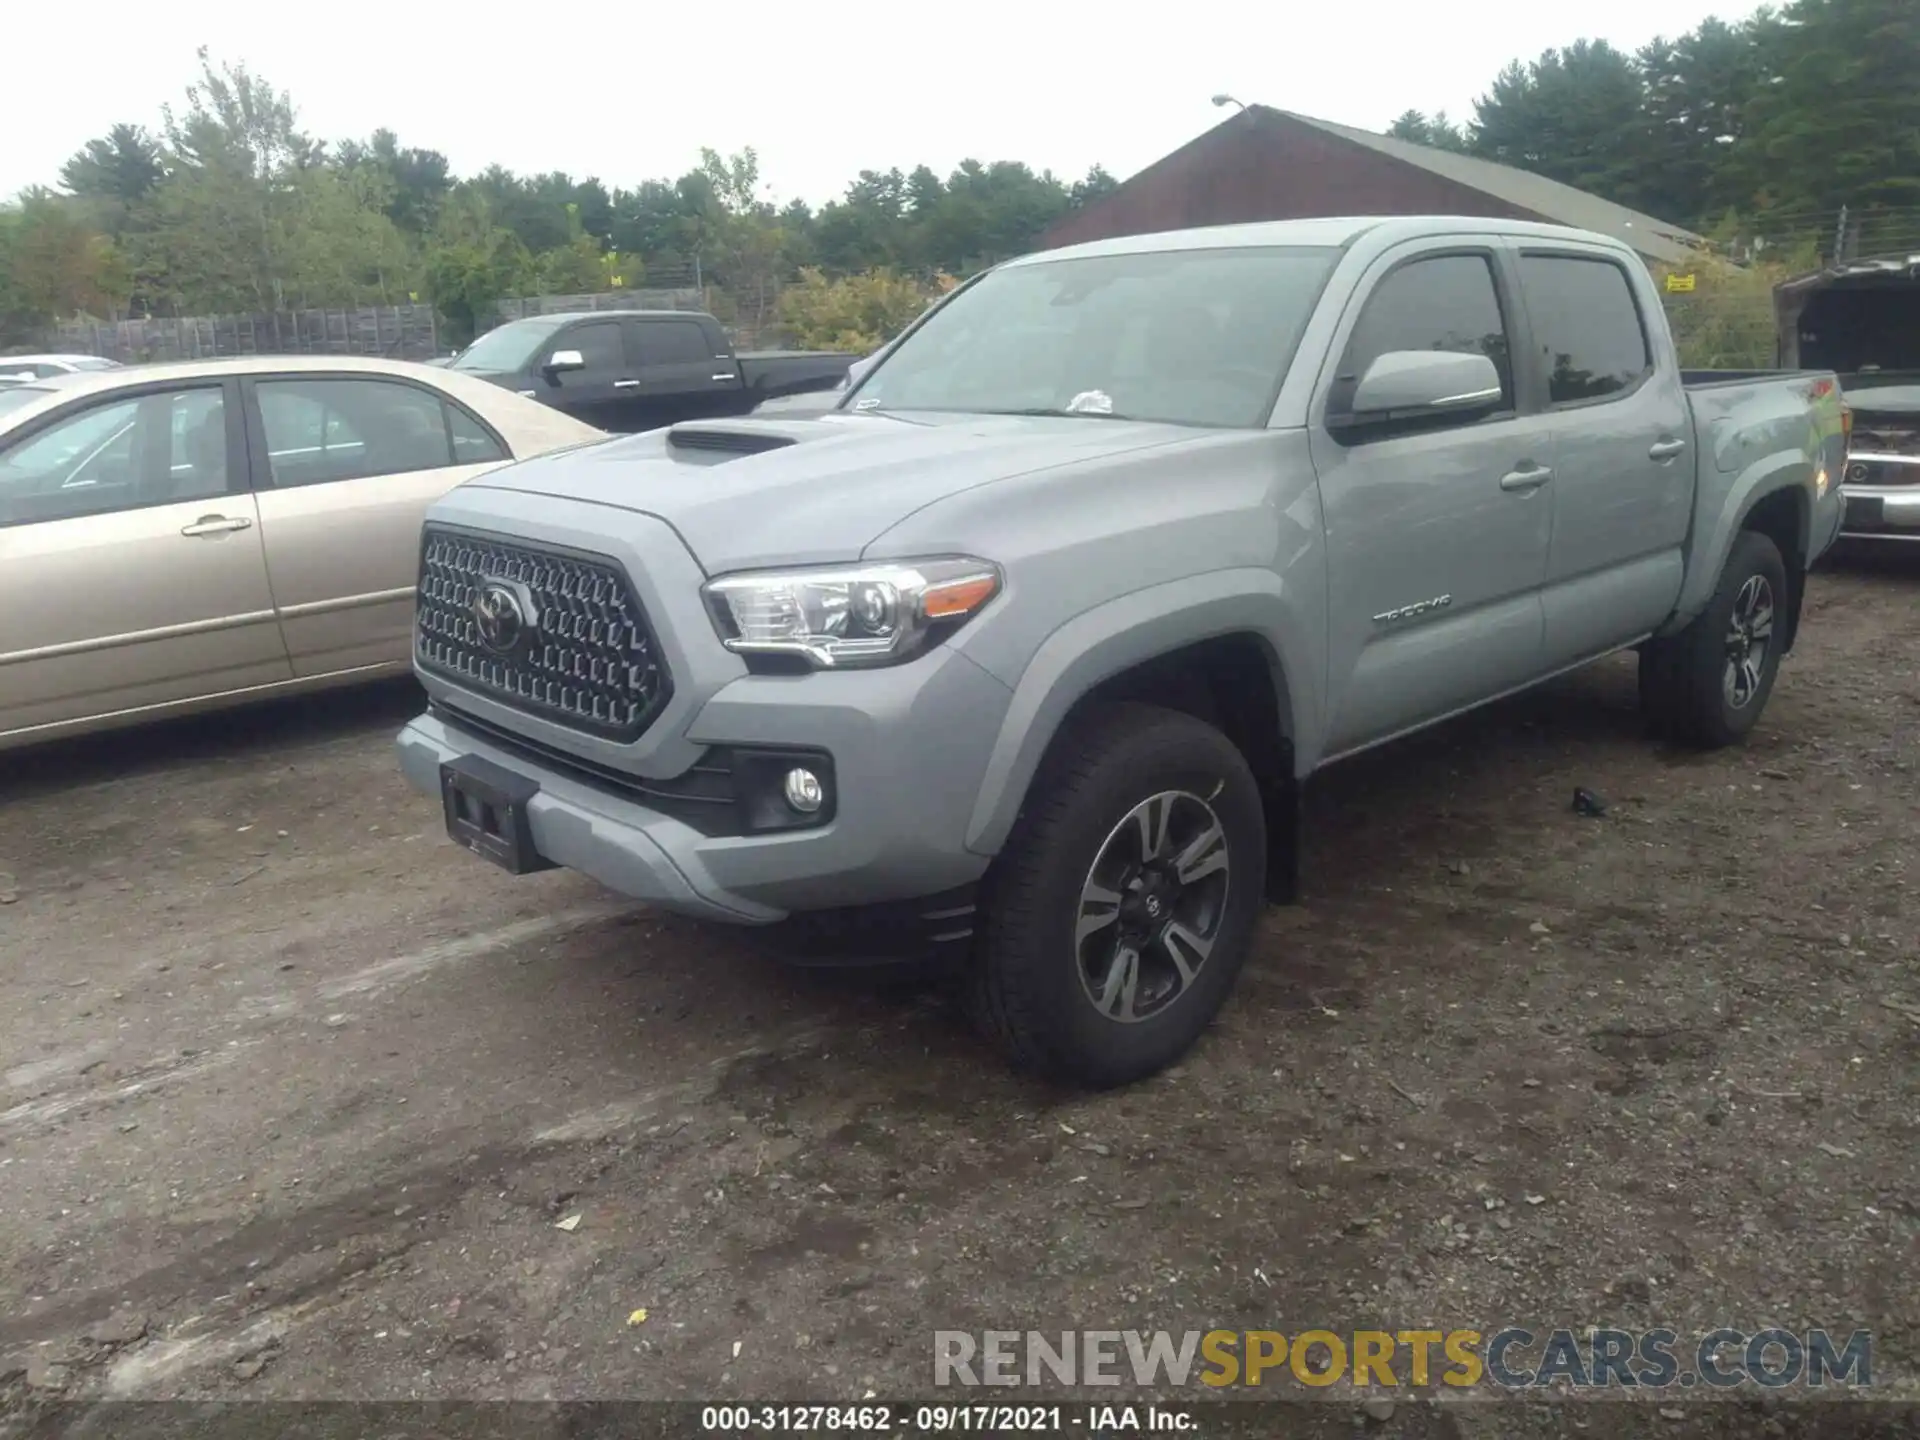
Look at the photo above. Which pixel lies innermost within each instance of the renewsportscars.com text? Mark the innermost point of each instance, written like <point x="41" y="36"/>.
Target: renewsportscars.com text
<point x="1509" y="1358"/>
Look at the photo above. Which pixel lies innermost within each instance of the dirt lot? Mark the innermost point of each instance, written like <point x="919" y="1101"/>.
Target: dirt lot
<point x="296" y="1094"/>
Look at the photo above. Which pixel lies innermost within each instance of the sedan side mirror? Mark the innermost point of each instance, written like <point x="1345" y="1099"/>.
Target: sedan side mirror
<point x="1421" y="384"/>
<point x="561" y="361"/>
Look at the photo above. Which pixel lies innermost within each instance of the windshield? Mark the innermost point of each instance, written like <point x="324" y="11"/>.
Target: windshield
<point x="1190" y="337"/>
<point x="94" y="362"/>
<point x="18" y="397"/>
<point x="506" y="347"/>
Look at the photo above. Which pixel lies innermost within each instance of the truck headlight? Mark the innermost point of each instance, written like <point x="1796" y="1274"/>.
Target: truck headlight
<point x="850" y="616"/>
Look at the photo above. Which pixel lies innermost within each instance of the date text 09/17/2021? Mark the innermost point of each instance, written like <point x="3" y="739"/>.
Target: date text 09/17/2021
<point x="944" y="1419"/>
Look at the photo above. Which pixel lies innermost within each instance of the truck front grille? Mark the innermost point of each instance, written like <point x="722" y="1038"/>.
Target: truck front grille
<point x="550" y="632"/>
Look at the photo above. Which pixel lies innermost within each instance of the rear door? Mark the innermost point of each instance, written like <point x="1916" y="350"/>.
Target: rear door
<point x="681" y="377"/>
<point x="1622" y="491"/>
<point x="132" y="572"/>
<point x="1436" y="536"/>
<point x="604" y="388"/>
<point x="346" y="466"/>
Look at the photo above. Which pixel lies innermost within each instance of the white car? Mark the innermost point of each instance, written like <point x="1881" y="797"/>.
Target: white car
<point x="41" y="367"/>
<point x="187" y="536"/>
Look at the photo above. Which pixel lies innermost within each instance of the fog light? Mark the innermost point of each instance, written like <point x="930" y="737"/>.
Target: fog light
<point x="804" y="791"/>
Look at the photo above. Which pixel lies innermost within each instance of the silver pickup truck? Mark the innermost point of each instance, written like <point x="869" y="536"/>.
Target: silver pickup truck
<point x="1027" y="648"/>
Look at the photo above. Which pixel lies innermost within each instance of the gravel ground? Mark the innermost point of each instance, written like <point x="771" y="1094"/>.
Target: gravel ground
<point x="298" y="1097"/>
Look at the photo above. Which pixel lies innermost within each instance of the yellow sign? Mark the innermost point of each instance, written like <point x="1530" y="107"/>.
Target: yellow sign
<point x="1679" y="284"/>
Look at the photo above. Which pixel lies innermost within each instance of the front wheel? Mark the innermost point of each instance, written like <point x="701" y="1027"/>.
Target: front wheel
<point x="1123" y="907"/>
<point x="1707" y="685"/>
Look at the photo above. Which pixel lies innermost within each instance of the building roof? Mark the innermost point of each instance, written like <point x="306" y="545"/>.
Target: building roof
<point x="1549" y="199"/>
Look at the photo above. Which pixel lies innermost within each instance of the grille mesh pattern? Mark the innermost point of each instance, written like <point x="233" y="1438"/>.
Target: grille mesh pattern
<point x="588" y="660"/>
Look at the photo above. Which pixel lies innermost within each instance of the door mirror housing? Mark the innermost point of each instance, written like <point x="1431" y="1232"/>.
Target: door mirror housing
<point x="1424" y="385"/>
<point x="562" y="361"/>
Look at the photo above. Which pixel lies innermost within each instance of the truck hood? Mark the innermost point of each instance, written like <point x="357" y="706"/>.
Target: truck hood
<point x="751" y="493"/>
<point x="1884" y="394"/>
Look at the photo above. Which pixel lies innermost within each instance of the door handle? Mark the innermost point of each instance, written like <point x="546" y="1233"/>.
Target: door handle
<point x="626" y="384"/>
<point x="216" y="525"/>
<point x="1525" y="480"/>
<point x="1666" y="449"/>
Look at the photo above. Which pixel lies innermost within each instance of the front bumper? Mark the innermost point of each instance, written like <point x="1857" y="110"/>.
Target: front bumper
<point x="909" y="748"/>
<point x="1881" y="512"/>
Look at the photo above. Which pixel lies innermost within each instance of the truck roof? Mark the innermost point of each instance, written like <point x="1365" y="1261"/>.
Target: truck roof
<point x="1330" y="231"/>
<point x="563" y="316"/>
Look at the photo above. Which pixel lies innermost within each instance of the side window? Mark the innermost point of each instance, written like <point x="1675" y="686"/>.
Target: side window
<point x="472" y="445"/>
<point x="673" y="342"/>
<point x="118" y="455"/>
<point x="599" y="345"/>
<point x="1591" y="338"/>
<point x="1445" y="303"/>
<point x="322" y="430"/>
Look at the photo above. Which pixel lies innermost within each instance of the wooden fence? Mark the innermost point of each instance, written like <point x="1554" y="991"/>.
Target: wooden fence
<point x="399" y="332"/>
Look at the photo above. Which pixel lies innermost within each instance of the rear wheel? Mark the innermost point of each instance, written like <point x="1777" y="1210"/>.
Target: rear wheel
<point x="1123" y="907"/>
<point x="1708" y="685"/>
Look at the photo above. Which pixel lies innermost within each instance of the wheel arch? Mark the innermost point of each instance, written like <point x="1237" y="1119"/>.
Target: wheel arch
<point x="1771" y="498"/>
<point x="1230" y="648"/>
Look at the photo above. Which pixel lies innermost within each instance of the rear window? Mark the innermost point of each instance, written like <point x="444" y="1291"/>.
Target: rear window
<point x="1587" y="326"/>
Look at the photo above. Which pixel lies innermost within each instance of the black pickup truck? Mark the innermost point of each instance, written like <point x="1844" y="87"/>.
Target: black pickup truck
<point x="630" y="370"/>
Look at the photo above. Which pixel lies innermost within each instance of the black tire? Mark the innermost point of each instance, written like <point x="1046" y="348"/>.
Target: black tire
<point x="1685" y="687"/>
<point x="1033" y="988"/>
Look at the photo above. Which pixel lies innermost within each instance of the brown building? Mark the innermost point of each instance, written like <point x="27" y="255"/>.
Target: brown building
<point x="1266" y="164"/>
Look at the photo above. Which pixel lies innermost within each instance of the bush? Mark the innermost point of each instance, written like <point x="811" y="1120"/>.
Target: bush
<point x="856" y="314"/>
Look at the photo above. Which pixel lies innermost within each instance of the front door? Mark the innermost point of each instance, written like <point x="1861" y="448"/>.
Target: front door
<point x="346" y="467"/>
<point x="1436" y="537"/>
<point x="604" y="390"/>
<point x="131" y="567"/>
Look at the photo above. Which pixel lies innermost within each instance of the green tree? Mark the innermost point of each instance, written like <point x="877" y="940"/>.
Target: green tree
<point x="1836" y="112"/>
<point x="1435" y="130"/>
<point x="53" y="264"/>
<point x="114" y="176"/>
<point x="1573" y="115"/>
<point x="417" y="181"/>
<point x="856" y="313"/>
<point x="472" y="264"/>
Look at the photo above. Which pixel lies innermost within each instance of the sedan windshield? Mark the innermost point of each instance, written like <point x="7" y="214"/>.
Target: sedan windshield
<point x="1190" y="337"/>
<point x="506" y="348"/>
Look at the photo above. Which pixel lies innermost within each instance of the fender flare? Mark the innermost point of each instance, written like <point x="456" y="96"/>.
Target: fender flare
<point x="1759" y="484"/>
<point x="1127" y="631"/>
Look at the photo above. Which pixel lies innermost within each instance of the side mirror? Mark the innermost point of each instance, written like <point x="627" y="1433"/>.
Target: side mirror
<point x="561" y="361"/>
<point x="1418" y="384"/>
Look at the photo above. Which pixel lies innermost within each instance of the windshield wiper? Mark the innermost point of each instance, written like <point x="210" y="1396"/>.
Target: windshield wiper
<point x="1058" y="411"/>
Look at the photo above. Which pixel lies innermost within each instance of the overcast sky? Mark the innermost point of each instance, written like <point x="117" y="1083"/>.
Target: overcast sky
<point x="630" y="91"/>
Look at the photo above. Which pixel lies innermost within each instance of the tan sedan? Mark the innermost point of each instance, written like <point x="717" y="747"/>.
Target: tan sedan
<point x="180" y="537"/>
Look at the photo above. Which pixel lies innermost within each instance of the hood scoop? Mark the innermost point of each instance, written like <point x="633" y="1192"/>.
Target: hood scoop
<point x="742" y="441"/>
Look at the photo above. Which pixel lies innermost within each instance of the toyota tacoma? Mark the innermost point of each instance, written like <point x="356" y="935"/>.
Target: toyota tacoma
<point x="1026" y="648"/>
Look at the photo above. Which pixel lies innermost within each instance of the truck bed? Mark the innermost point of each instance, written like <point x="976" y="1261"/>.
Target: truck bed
<point x="766" y="373"/>
<point x="1703" y="379"/>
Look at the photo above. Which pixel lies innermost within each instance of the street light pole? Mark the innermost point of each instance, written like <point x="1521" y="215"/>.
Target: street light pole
<point x="1223" y="99"/>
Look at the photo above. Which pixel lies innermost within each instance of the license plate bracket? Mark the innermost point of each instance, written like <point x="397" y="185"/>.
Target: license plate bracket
<point x="486" y="813"/>
<point x="1866" y="512"/>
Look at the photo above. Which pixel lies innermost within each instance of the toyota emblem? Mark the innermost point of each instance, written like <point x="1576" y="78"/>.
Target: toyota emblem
<point x="498" y="617"/>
